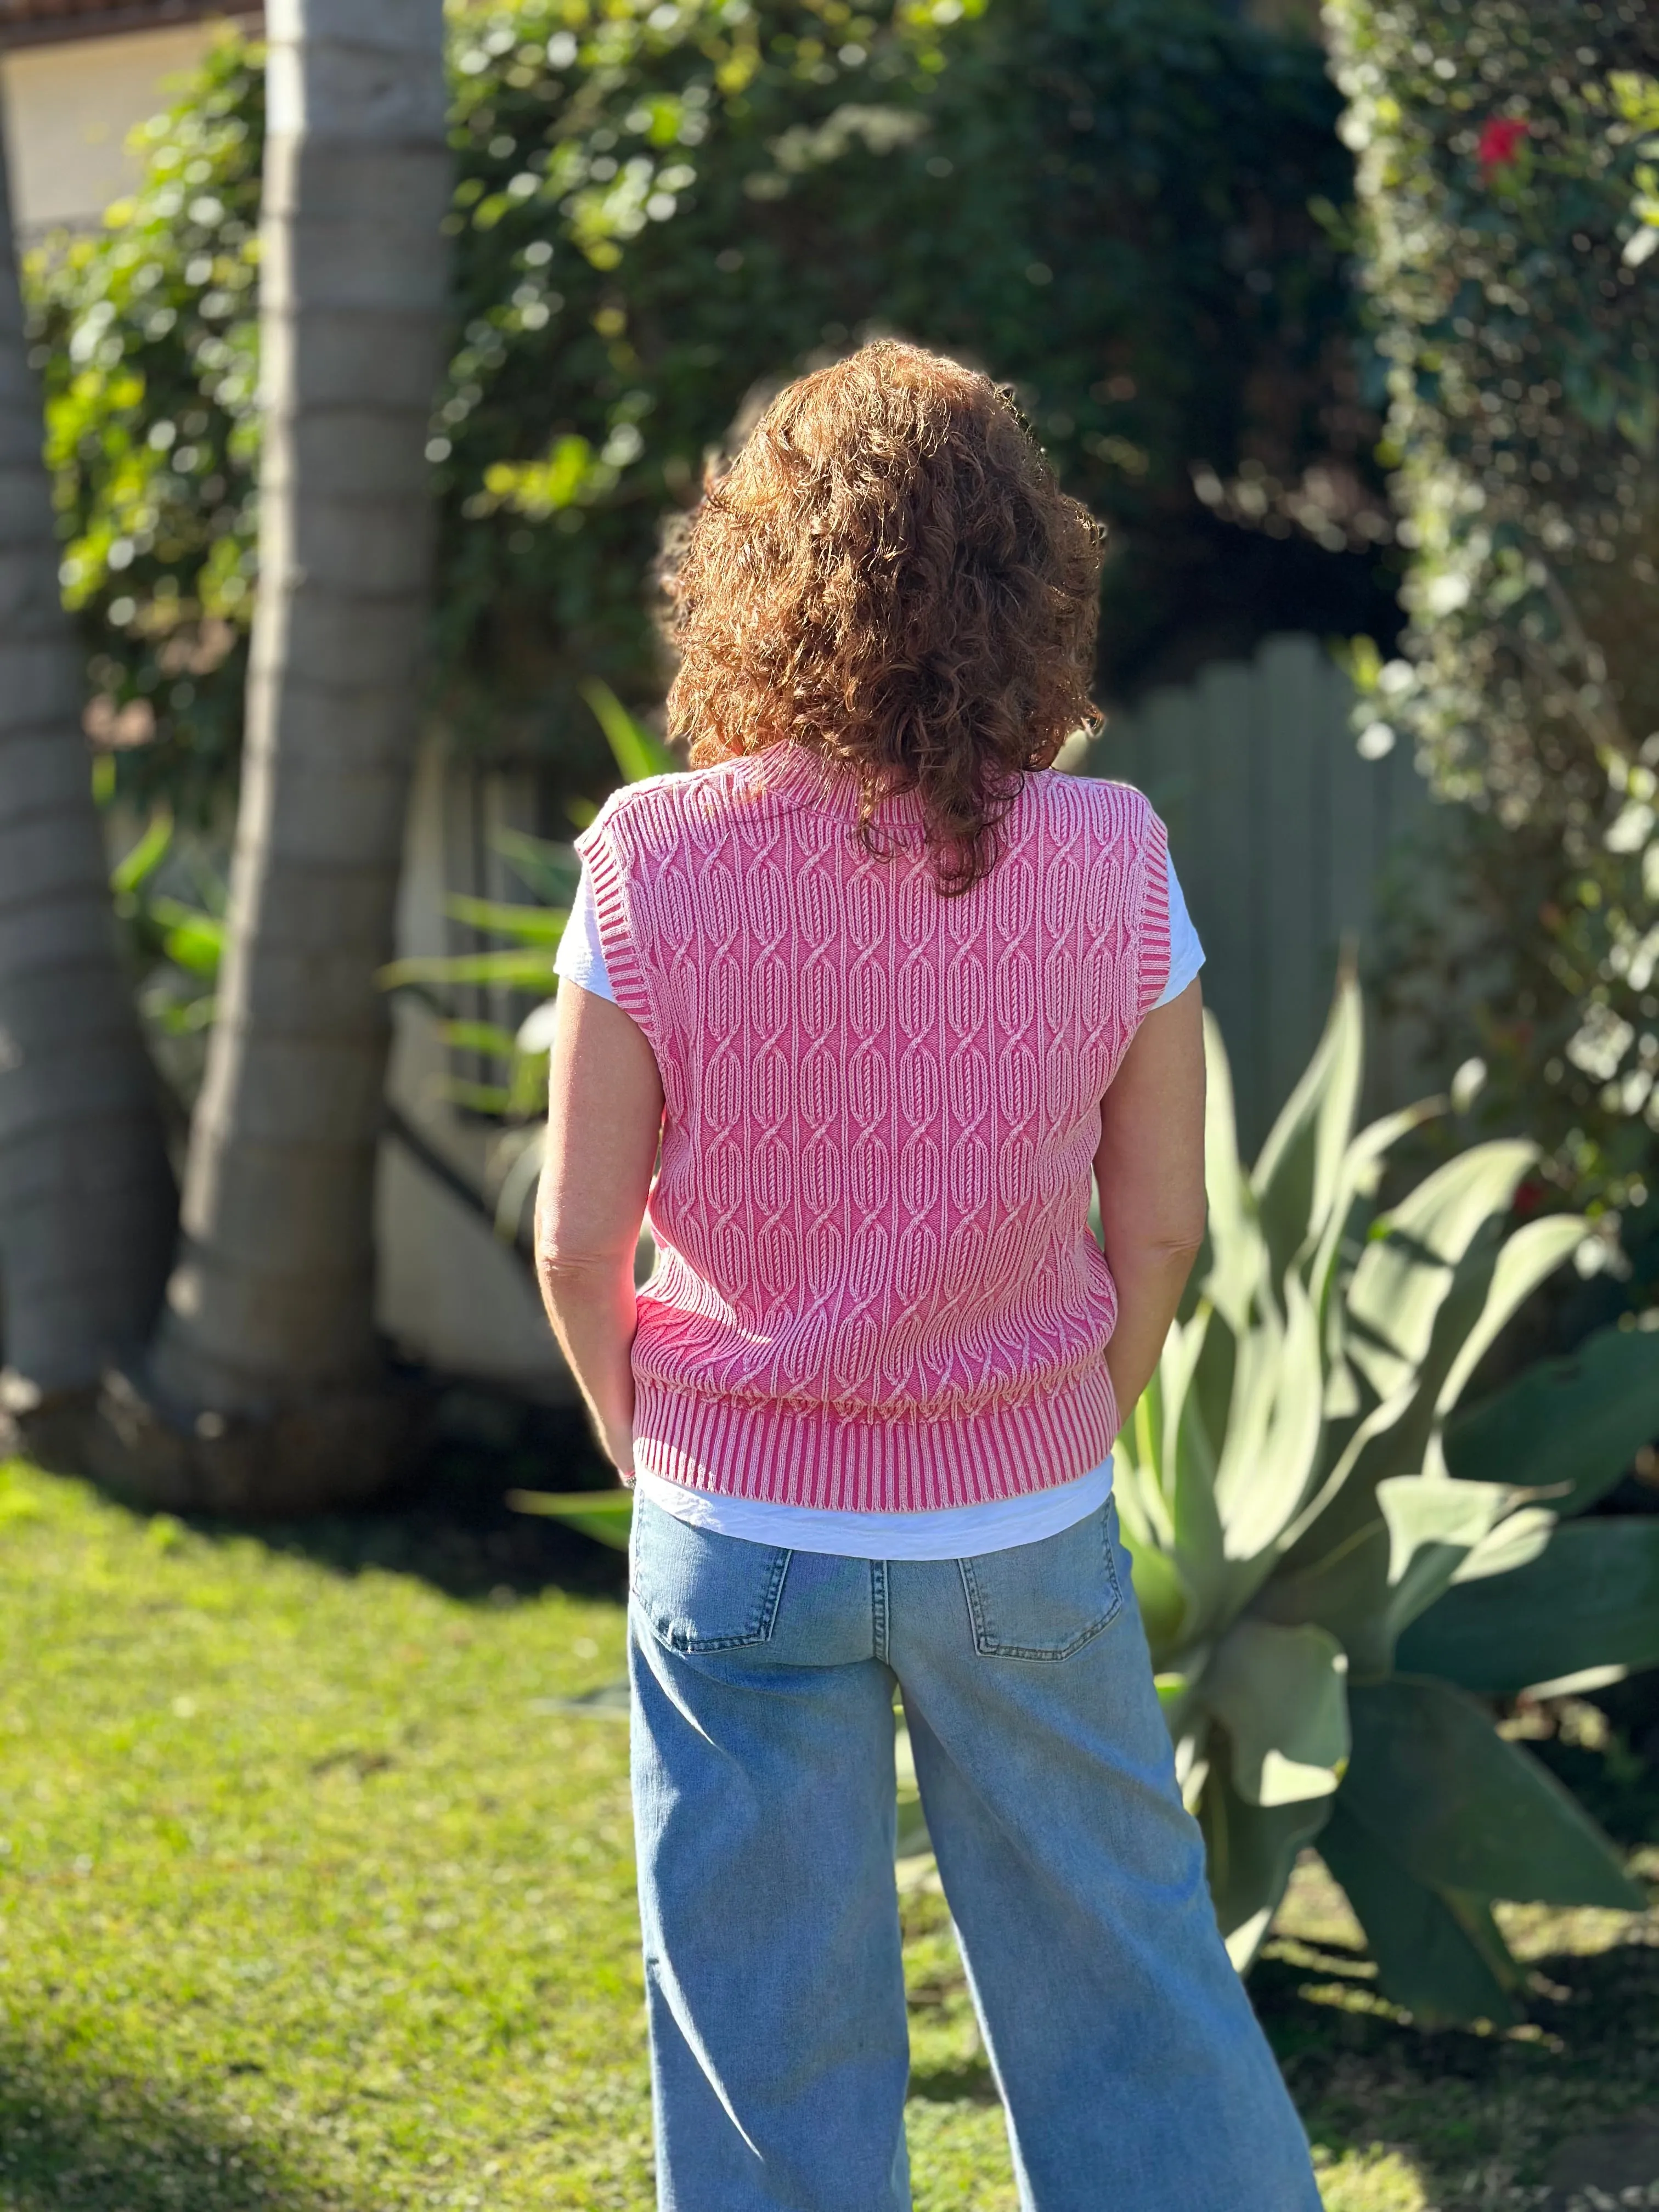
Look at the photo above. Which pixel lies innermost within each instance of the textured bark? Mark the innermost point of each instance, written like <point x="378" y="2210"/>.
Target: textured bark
<point x="269" y="1308"/>
<point x="87" y="1201"/>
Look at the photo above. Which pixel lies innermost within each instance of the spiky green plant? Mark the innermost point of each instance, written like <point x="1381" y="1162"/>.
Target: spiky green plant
<point x="1329" y="1560"/>
<point x="1337" y="1567"/>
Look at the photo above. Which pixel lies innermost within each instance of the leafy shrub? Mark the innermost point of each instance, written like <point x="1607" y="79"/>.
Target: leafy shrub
<point x="1331" y="1556"/>
<point x="655" y="211"/>
<point x="1509" y="179"/>
<point x="148" y="347"/>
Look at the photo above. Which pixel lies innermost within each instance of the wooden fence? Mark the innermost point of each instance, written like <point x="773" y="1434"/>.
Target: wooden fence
<point x="1279" y="830"/>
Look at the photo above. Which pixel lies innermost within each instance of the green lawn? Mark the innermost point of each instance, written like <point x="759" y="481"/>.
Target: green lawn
<point x="315" y="1892"/>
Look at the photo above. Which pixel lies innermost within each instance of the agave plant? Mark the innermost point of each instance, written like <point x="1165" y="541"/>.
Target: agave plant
<point x="1338" y="1566"/>
<point x="1330" y="1558"/>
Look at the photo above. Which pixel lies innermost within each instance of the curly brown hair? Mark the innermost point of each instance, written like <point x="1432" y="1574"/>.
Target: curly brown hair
<point x="888" y="573"/>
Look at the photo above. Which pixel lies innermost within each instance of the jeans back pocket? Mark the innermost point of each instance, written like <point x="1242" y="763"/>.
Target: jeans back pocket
<point x="700" y="1591"/>
<point x="1047" y="1600"/>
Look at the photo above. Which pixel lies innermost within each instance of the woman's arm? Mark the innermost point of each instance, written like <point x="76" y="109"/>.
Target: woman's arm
<point x="604" y="1117"/>
<point x="1150" y="1168"/>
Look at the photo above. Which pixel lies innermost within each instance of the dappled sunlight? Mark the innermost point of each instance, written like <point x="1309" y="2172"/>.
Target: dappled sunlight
<point x="1464" y="2119"/>
<point x="1372" y="2180"/>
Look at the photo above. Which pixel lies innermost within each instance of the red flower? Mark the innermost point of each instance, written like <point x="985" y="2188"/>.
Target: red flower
<point x="1498" y="142"/>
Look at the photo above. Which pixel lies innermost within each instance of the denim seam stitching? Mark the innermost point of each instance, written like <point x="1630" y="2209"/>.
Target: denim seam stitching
<point x="989" y="1646"/>
<point x="759" y="1632"/>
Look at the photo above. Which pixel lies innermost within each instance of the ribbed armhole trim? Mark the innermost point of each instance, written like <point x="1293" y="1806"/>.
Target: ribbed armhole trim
<point x="609" y="906"/>
<point x="1152" y="937"/>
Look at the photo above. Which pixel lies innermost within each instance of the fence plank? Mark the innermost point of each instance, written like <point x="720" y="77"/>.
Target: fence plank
<point x="1295" y="977"/>
<point x="1227" y="892"/>
<point x="1279" y="830"/>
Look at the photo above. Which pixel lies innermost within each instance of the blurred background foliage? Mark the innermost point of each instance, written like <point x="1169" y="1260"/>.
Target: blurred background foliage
<point x="1509" y="182"/>
<point x="1135" y="213"/>
<point x="1146" y="217"/>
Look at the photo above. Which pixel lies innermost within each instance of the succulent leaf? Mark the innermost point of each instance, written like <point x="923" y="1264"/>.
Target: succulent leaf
<point x="1298" y="1173"/>
<point x="1349" y="1217"/>
<point x="637" y="752"/>
<point x="1346" y="1593"/>
<point x="1237" y="1250"/>
<point x="1251" y="1851"/>
<point x="604" y="1515"/>
<point x="1269" y="1459"/>
<point x="1438" y="1954"/>
<point x="528" y="925"/>
<point x="1341" y="1507"/>
<point x="1433" y="1526"/>
<point x="1462" y="1809"/>
<point x="1381" y="1572"/>
<point x="1137" y="1479"/>
<point x="1401" y="1435"/>
<point x="1570" y="1425"/>
<point x="1525" y="1259"/>
<point x="1514" y="1542"/>
<point x="1590" y="1603"/>
<point x="1281" y="1694"/>
<point x="551" y="871"/>
<point x="1168" y="1607"/>
<point x="1406" y="1271"/>
<point x="1187" y="1479"/>
<point x="525" y="970"/>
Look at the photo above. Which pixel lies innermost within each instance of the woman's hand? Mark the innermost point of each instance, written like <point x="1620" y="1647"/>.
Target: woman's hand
<point x="619" y="1451"/>
<point x="604" y="1117"/>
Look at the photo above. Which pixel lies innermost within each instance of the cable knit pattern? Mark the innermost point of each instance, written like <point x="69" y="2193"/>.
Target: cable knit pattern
<point x="876" y="1289"/>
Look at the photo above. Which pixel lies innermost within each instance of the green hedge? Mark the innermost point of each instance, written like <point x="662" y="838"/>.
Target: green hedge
<point x="1508" y="177"/>
<point x="655" y="211"/>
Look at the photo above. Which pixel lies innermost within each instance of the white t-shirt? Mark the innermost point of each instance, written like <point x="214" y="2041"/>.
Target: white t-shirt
<point x="952" y="1532"/>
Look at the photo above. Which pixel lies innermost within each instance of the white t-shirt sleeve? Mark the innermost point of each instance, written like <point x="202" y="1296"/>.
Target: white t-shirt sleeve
<point x="580" y="956"/>
<point x="1186" y="953"/>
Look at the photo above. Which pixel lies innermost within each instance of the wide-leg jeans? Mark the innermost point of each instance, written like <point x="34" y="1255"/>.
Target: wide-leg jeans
<point x="1133" y="2073"/>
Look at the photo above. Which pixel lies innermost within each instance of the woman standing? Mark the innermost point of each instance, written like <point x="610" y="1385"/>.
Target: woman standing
<point x="887" y="991"/>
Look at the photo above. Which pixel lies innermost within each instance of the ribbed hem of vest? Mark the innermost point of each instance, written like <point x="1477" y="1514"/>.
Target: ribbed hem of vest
<point x="846" y="1463"/>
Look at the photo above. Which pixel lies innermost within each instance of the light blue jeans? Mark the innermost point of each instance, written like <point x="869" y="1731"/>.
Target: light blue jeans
<point x="1133" y="2073"/>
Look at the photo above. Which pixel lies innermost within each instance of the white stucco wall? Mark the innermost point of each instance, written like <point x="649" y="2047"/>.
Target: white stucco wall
<point x="69" y="109"/>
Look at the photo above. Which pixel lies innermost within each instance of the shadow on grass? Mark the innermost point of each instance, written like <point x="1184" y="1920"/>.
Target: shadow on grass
<point x="1617" y="1783"/>
<point x="955" y="2085"/>
<point x="103" y="2142"/>
<point x="1472" y="2110"/>
<point x="447" y="1522"/>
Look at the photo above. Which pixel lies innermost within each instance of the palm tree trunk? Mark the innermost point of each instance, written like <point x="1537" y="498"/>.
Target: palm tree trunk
<point x="270" y="1303"/>
<point x="87" y="1200"/>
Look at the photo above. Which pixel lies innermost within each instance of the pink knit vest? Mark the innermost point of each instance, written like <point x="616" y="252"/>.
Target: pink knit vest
<point x="876" y="1287"/>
